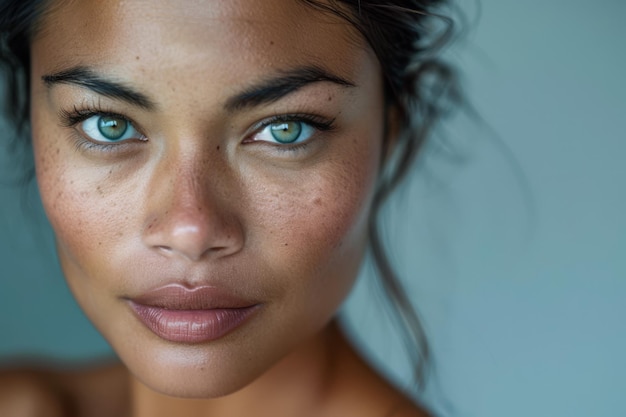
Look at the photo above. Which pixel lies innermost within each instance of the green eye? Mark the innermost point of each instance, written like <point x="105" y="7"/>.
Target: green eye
<point x="283" y="133"/>
<point x="109" y="129"/>
<point x="286" y="132"/>
<point x="112" y="128"/>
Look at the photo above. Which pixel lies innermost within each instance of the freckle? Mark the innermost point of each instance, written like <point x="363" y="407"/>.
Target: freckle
<point x="58" y="151"/>
<point x="217" y="148"/>
<point x="285" y="244"/>
<point x="137" y="57"/>
<point x="271" y="42"/>
<point x="330" y="98"/>
<point x="99" y="243"/>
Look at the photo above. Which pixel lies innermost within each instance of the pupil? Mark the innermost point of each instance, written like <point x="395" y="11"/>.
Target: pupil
<point x="112" y="128"/>
<point x="286" y="132"/>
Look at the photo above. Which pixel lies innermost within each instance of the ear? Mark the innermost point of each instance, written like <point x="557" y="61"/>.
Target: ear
<point x="392" y="129"/>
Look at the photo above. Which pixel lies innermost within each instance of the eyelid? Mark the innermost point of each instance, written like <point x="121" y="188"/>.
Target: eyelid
<point x="93" y="129"/>
<point x="318" y="122"/>
<point x="315" y="122"/>
<point x="70" y="118"/>
<point x="76" y="118"/>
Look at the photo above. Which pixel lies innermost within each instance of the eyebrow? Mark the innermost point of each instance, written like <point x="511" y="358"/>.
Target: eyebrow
<point x="87" y="78"/>
<point x="287" y="82"/>
<point x="267" y="91"/>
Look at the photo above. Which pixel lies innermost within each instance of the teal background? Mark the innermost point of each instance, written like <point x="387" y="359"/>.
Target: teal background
<point x="513" y="250"/>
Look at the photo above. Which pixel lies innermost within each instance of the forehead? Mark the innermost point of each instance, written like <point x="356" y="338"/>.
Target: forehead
<point x="234" y="37"/>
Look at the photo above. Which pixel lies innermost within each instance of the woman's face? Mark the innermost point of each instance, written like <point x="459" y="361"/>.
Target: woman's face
<point x="208" y="171"/>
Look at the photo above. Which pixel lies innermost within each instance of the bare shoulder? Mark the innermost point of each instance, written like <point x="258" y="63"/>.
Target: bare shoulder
<point x="46" y="392"/>
<point x="29" y="393"/>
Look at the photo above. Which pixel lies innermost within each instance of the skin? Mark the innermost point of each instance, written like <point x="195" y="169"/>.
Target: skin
<point x="201" y="198"/>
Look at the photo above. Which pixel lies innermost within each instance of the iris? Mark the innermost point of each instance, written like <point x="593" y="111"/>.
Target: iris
<point x="112" y="128"/>
<point x="286" y="132"/>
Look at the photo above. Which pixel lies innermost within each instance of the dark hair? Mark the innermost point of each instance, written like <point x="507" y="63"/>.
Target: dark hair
<point x="406" y="36"/>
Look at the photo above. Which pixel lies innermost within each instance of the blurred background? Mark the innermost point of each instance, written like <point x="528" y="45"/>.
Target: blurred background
<point x="511" y="236"/>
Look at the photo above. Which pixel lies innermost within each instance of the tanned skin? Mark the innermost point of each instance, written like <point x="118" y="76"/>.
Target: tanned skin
<point x="197" y="190"/>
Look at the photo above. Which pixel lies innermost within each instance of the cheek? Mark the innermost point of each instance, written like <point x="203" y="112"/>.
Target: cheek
<point x="87" y="223"/>
<point x="322" y="214"/>
<point x="312" y="226"/>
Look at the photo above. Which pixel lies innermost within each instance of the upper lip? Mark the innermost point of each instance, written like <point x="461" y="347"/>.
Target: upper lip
<point x="181" y="297"/>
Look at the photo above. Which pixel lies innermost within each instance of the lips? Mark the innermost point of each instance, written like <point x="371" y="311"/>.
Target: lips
<point x="191" y="315"/>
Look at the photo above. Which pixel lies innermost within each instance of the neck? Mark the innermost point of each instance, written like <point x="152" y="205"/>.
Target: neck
<point x="297" y="385"/>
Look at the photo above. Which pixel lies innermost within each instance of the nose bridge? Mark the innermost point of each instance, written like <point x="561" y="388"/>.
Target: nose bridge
<point x="189" y="214"/>
<point x="195" y="180"/>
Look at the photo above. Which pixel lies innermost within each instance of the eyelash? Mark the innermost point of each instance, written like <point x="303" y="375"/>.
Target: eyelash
<point x="78" y="115"/>
<point x="317" y="122"/>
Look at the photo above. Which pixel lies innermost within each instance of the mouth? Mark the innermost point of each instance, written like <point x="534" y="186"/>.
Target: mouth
<point x="191" y="315"/>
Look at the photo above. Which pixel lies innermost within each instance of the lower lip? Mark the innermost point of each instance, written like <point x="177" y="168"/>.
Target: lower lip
<point x="192" y="326"/>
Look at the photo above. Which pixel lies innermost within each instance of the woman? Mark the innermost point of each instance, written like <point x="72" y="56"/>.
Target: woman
<point x="209" y="171"/>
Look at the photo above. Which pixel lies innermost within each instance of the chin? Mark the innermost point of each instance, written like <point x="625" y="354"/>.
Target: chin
<point x="190" y="372"/>
<point x="190" y="386"/>
<point x="205" y="370"/>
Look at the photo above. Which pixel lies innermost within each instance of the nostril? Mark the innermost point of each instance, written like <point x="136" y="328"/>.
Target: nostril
<point x="172" y="251"/>
<point x="193" y="235"/>
<point x="164" y="249"/>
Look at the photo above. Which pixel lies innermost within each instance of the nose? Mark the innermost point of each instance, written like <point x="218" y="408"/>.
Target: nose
<point x="190" y="213"/>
